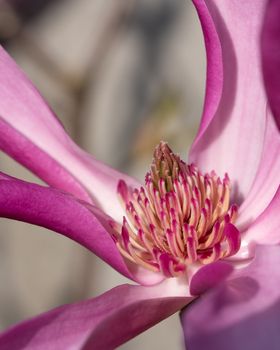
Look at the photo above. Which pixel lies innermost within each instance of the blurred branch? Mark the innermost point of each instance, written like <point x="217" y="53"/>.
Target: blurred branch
<point x="15" y="13"/>
<point x="93" y="70"/>
<point x="10" y="23"/>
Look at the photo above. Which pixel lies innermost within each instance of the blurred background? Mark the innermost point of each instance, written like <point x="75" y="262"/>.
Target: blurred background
<point x="121" y="75"/>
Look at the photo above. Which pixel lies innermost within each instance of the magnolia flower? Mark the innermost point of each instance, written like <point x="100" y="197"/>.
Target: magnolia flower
<point x="187" y="232"/>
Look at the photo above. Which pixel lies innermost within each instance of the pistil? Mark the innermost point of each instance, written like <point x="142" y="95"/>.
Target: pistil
<point x="180" y="217"/>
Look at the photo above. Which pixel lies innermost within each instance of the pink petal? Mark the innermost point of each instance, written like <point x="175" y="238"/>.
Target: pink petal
<point x="31" y="134"/>
<point x="101" y="323"/>
<point x="243" y="313"/>
<point x="266" y="229"/>
<point x="233" y="140"/>
<point x="267" y="178"/>
<point x="209" y="276"/>
<point x="76" y="219"/>
<point x="62" y="213"/>
<point x="270" y="49"/>
<point x="214" y="78"/>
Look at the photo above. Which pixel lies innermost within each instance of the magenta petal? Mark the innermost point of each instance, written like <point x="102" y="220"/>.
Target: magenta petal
<point x="243" y="313"/>
<point x="270" y="48"/>
<point x="209" y="276"/>
<point x="76" y="219"/>
<point x="214" y="79"/>
<point x="31" y="134"/>
<point x="101" y="323"/>
<point x="233" y="140"/>
<point x="62" y="213"/>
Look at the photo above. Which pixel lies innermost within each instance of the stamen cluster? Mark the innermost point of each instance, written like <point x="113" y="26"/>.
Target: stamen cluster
<point x="179" y="218"/>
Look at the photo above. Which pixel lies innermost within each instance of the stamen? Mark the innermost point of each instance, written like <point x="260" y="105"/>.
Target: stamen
<point x="179" y="218"/>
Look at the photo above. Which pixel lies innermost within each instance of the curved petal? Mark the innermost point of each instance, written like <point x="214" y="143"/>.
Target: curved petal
<point x="73" y="218"/>
<point x="267" y="180"/>
<point x="214" y="75"/>
<point x="243" y="313"/>
<point x="31" y="134"/>
<point x="233" y="141"/>
<point x="266" y="229"/>
<point x="62" y="213"/>
<point x="101" y="323"/>
<point x="209" y="276"/>
<point x="270" y="49"/>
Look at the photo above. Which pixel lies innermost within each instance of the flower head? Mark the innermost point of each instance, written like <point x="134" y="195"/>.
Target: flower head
<point x="183" y="217"/>
<point x="179" y="218"/>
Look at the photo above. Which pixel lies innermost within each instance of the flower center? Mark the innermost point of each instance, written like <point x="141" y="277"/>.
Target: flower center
<point x="179" y="218"/>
